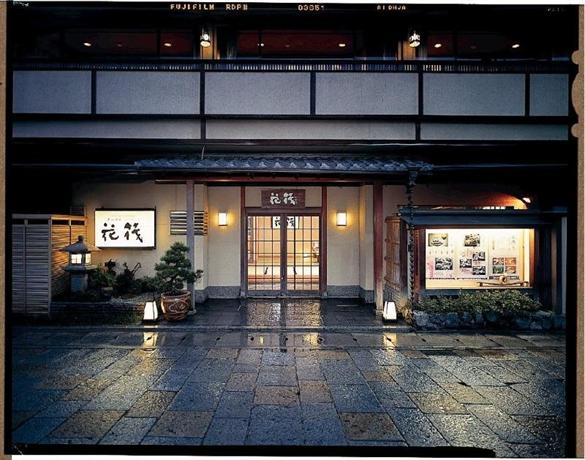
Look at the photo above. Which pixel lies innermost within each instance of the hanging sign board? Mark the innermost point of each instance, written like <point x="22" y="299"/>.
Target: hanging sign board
<point x="283" y="199"/>
<point x="125" y="228"/>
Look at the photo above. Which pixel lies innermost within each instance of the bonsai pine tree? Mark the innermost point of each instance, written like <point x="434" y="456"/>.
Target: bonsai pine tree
<point x="174" y="270"/>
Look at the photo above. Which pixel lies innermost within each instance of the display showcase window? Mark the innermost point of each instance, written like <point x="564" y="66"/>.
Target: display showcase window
<point x="474" y="258"/>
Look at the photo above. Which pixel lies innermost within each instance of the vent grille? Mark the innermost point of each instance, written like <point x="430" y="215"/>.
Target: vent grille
<point x="179" y="222"/>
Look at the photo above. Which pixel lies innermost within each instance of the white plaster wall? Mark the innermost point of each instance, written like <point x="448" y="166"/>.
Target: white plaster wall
<point x="312" y="195"/>
<point x="224" y="242"/>
<point x="144" y="195"/>
<point x="366" y="237"/>
<point x="343" y="243"/>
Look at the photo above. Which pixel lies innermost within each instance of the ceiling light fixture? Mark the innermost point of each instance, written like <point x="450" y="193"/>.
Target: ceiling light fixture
<point x="341" y="45"/>
<point x="438" y="45"/>
<point x="414" y="40"/>
<point x="516" y="45"/>
<point x="205" y="39"/>
<point x="167" y="44"/>
<point x="87" y="44"/>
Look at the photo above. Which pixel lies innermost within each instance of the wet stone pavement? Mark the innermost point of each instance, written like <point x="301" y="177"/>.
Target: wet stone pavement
<point x="119" y="386"/>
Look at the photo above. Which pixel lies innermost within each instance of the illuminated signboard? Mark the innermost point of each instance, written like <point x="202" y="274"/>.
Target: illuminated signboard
<point x="125" y="228"/>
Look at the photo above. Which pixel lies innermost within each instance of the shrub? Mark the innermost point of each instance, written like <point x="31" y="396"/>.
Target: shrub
<point x="149" y="284"/>
<point x="505" y="301"/>
<point x="100" y="278"/>
<point x="126" y="283"/>
<point x="174" y="270"/>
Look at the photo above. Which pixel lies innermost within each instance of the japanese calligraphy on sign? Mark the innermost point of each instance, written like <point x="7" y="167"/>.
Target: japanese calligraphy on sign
<point x="118" y="228"/>
<point x="283" y="199"/>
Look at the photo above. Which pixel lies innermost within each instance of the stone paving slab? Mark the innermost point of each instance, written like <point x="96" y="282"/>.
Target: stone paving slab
<point x="128" y="431"/>
<point x="190" y="424"/>
<point x="151" y="404"/>
<point x="496" y="391"/>
<point x="88" y="424"/>
<point x="226" y="432"/>
<point x="416" y="428"/>
<point x="370" y="427"/>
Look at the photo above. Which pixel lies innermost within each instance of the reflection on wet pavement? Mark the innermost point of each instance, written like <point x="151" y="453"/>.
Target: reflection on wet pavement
<point x="285" y="313"/>
<point x="365" y="387"/>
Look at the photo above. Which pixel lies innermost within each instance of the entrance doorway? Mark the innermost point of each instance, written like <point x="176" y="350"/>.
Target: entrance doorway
<point x="283" y="254"/>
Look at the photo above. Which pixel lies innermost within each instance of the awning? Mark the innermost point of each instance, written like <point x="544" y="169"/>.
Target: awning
<point x="298" y="164"/>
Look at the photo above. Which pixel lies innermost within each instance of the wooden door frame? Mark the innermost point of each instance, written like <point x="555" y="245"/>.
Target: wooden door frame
<point x="257" y="211"/>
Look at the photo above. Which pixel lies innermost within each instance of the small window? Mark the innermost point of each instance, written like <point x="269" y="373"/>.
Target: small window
<point x="112" y="43"/>
<point x="176" y="44"/>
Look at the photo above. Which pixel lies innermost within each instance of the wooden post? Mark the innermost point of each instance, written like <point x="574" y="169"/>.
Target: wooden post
<point x="578" y="130"/>
<point x="378" y="246"/>
<point x="189" y="194"/>
<point x="323" y="249"/>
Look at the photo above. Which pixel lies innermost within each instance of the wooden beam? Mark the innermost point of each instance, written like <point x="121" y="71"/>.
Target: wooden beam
<point x="190" y="198"/>
<point x="378" y="194"/>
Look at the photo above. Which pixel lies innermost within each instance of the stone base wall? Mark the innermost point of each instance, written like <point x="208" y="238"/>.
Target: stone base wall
<point x="223" y="292"/>
<point x="341" y="292"/>
<point x="529" y="321"/>
<point x="200" y="295"/>
<point x="367" y="295"/>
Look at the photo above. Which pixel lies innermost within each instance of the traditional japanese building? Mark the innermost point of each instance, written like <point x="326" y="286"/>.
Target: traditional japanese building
<point x="376" y="151"/>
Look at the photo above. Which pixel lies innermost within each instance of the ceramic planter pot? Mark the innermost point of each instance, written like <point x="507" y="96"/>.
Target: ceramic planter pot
<point x="176" y="307"/>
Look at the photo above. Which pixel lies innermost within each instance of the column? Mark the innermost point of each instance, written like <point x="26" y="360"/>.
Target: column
<point x="189" y="192"/>
<point x="378" y="246"/>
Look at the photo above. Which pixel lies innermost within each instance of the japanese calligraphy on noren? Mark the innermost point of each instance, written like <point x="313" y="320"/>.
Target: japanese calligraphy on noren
<point x="119" y="228"/>
<point x="283" y="199"/>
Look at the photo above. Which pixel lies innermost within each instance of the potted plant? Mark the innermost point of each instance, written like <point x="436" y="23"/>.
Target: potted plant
<point x="173" y="271"/>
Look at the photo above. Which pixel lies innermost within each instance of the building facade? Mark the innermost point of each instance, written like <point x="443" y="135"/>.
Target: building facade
<point x="386" y="152"/>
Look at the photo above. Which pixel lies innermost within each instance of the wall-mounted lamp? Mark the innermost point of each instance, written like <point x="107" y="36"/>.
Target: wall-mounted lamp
<point x="341" y="219"/>
<point x="205" y="39"/>
<point x="526" y="199"/>
<point x="414" y="39"/>
<point x="222" y="219"/>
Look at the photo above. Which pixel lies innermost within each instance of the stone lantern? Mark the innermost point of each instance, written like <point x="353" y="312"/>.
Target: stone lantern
<point x="79" y="263"/>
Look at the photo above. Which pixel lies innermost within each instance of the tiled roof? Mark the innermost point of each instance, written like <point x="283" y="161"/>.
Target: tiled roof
<point x="289" y="163"/>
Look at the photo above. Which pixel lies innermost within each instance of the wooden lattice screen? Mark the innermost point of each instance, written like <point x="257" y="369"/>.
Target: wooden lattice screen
<point x="395" y="260"/>
<point x="37" y="262"/>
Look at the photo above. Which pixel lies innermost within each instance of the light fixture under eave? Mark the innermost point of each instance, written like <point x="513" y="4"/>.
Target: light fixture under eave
<point x="438" y="45"/>
<point x="87" y="44"/>
<point x="341" y="45"/>
<point x="516" y="45"/>
<point x="414" y="39"/>
<point x="167" y="44"/>
<point x="341" y="219"/>
<point x="222" y="219"/>
<point x="205" y="40"/>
